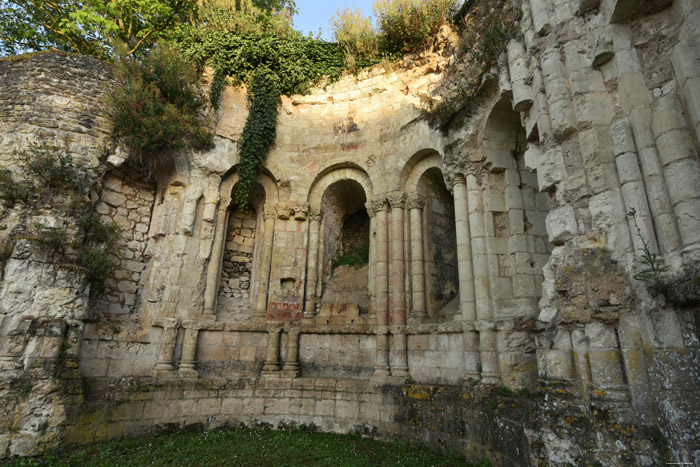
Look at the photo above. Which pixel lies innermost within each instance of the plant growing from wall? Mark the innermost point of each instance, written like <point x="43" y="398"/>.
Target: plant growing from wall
<point x="156" y="107"/>
<point x="484" y="36"/>
<point x="50" y="180"/>
<point x="683" y="289"/>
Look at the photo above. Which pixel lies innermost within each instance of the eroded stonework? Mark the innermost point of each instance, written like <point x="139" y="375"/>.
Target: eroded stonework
<point x="498" y="313"/>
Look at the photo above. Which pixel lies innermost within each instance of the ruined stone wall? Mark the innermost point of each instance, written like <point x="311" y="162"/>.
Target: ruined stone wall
<point x="128" y="202"/>
<point x="551" y="350"/>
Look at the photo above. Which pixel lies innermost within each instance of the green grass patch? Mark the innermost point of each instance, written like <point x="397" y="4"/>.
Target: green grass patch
<point x="243" y="447"/>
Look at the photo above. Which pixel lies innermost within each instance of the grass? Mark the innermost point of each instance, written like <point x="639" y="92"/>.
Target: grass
<point x="248" y="447"/>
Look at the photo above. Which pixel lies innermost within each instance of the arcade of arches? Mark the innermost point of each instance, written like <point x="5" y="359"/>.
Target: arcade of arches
<point x="474" y="284"/>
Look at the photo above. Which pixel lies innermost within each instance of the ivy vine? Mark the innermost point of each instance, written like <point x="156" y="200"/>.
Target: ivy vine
<point x="270" y="65"/>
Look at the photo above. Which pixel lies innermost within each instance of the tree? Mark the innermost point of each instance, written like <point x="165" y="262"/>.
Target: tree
<point x="89" y="27"/>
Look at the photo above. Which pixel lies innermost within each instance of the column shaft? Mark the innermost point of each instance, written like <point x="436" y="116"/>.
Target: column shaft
<point x="381" y="255"/>
<point x="214" y="267"/>
<point x="415" y="205"/>
<point x="189" y="351"/>
<point x="397" y="318"/>
<point x="291" y="363"/>
<point x="260" y="310"/>
<point x="272" y="359"/>
<point x="312" y="265"/>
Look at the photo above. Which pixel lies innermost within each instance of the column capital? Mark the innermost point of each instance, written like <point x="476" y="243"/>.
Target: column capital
<point x="396" y="199"/>
<point x="315" y="215"/>
<point x="415" y="201"/>
<point x="301" y="211"/>
<point x="457" y="179"/>
<point x="224" y="203"/>
<point x="284" y="211"/>
<point x="375" y="205"/>
<point x="269" y="211"/>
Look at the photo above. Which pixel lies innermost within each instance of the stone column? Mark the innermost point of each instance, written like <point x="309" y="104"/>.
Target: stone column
<point x="189" y="350"/>
<point x="312" y="265"/>
<point x="467" y="302"/>
<point x="397" y="307"/>
<point x="291" y="363"/>
<point x="166" y="359"/>
<point x="372" y="280"/>
<point x="272" y="359"/>
<point x="260" y="308"/>
<point x="214" y="268"/>
<point x="415" y="203"/>
<point x="605" y="362"/>
<point x="480" y="266"/>
<point x="381" y="249"/>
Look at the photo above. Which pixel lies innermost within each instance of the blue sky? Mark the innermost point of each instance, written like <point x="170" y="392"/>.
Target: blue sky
<point x="315" y="14"/>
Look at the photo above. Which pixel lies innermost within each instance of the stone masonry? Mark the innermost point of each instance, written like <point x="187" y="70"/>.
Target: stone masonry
<point x="500" y="312"/>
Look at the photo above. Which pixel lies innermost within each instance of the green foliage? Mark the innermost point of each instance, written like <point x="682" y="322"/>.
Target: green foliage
<point x="484" y="36"/>
<point x="259" y="132"/>
<point x="352" y="258"/>
<point x="155" y="108"/>
<point x="355" y="34"/>
<point x="270" y="65"/>
<point x="49" y="169"/>
<point x="252" y="447"/>
<point x="244" y="17"/>
<point x="50" y="178"/>
<point x="408" y="25"/>
<point x="653" y="272"/>
<point x="88" y="27"/>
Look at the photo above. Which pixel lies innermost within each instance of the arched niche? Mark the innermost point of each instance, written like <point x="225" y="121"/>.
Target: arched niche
<point x="424" y="181"/>
<point x="240" y="247"/>
<point x="238" y="262"/>
<point x="345" y="245"/>
<point x="514" y="240"/>
<point x="439" y="245"/>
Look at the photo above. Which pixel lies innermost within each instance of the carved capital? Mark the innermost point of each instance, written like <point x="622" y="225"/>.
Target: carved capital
<point x="269" y="212"/>
<point x="301" y="211"/>
<point x="315" y="215"/>
<point x="415" y="201"/>
<point x="224" y="203"/>
<point x="396" y="199"/>
<point x="457" y="179"/>
<point x="284" y="211"/>
<point x="375" y="205"/>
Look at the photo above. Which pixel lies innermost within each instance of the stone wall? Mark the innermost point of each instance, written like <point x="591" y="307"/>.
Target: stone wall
<point x="128" y="202"/>
<point x="551" y="349"/>
<point x="234" y="301"/>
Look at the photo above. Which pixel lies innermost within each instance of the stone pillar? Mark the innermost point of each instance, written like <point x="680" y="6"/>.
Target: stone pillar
<point x="166" y="359"/>
<point x="214" y="268"/>
<point x="580" y="345"/>
<point x="372" y="280"/>
<point x="415" y="203"/>
<point x="465" y="270"/>
<point x="397" y="316"/>
<point x="605" y="362"/>
<point x="189" y="350"/>
<point x="291" y="363"/>
<point x="381" y="249"/>
<point x="681" y="167"/>
<point x="490" y="372"/>
<point x="260" y="308"/>
<point x="272" y="358"/>
<point x="312" y="265"/>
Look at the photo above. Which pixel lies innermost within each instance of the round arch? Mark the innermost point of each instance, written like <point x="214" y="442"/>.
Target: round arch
<point x="265" y="179"/>
<point x="429" y="161"/>
<point x="319" y="186"/>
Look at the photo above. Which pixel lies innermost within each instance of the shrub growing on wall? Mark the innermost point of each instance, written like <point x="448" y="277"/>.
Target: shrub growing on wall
<point x="156" y="107"/>
<point x="49" y="179"/>
<point x="408" y="25"/>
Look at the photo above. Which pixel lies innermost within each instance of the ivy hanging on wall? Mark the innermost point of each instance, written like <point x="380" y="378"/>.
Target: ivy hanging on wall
<point x="270" y="65"/>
